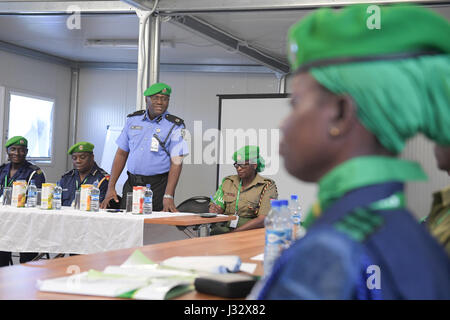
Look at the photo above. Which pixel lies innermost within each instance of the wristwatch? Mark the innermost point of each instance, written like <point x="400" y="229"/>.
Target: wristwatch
<point x="168" y="196"/>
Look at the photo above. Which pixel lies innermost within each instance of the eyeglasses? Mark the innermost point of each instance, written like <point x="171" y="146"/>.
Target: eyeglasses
<point x="159" y="98"/>
<point x="241" y="165"/>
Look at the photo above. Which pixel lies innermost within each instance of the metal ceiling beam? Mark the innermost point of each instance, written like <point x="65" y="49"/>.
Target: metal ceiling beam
<point x="178" y="7"/>
<point x="64" y="7"/>
<point x="12" y="48"/>
<point x="229" y="41"/>
<point x="180" y="67"/>
<point x="199" y="6"/>
<point x="164" y="67"/>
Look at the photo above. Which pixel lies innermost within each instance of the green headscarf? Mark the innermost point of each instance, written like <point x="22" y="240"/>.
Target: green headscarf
<point x="251" y="154"/>
<point x="396" y="98"/>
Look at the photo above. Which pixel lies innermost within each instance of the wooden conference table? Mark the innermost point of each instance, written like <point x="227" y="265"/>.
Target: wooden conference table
<point x="19" y="282"/>
<point x="192" y="220"/>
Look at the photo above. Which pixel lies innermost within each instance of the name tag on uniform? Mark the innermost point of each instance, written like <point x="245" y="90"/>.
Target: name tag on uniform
<point x="136" y="127"/>
<point x="234" y="223"/>
<point x="155" y="145"/>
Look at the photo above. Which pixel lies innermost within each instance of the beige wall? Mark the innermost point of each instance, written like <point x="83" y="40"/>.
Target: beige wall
<point x="49" y="80"/>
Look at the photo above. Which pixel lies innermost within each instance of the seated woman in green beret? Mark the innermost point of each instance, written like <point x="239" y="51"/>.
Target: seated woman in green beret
<point x="246" y="194"/>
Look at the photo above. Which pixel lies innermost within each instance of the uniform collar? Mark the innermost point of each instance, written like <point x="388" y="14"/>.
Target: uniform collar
<point x="442" y="197"/>
<point x="257" y="180"/>
<point x="24" y="165"/>
<point x="157" y="119"/>
<point x="364" y="171"/>
<point x="92" y="172"/>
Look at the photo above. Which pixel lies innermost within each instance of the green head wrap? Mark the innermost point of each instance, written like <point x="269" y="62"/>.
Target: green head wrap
<point x="251" y="154"/>
<point x="396" y="98"/>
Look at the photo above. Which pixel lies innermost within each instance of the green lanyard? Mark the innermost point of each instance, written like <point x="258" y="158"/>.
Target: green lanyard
<point x="237" y="198"/>
<point x="6" y="181"/>
<point x="84" y="181"/>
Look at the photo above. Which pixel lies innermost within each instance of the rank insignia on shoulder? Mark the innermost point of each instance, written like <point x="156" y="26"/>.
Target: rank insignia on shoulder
<point x="136" y="113"/>
<point x="174" y="119"/>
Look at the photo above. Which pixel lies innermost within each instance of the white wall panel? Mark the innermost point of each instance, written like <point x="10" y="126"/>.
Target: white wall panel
<point x="46" y="79"/>
<point x="418" y="194"/>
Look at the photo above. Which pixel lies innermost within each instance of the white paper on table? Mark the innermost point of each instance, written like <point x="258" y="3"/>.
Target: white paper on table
<point x="137" y="272"/>
<point x="259" y="257"/>
<point x="248" y="267"/>
<point x="212" y="264"/>
<point x="84" y="284"/>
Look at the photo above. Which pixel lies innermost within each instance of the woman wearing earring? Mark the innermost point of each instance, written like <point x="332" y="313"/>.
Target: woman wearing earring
<point x="246" y="194"/>
<point x="357" y="96"/>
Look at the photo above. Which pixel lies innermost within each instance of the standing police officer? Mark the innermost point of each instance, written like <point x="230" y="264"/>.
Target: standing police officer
<point x="152" y="142"/>
<point x="85" y="171"/>
<point x="18" y="169"/>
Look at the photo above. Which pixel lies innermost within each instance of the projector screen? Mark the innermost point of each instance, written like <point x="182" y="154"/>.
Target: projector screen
<point x="255" y="120"/>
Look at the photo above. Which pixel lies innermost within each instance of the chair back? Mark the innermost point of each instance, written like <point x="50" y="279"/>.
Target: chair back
<point x="198" y="204"/>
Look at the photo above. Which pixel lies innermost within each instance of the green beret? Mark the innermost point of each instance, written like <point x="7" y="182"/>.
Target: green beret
<point x="159" y="87"/>
<point x="17" y="141"/>
<point x="81" y="147"/>
<point x="328" y="37"/>
<point x="251" y="154"/>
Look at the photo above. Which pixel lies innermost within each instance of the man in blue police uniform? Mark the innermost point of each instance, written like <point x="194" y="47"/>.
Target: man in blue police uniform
<point x="153" y="145"/>
<point x="18" y="169"/>
<point x="85" y="171"/>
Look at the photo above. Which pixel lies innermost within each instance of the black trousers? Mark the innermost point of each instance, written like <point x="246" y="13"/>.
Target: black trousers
<point x="158" y="185"/>
<point x="5" y="257"/>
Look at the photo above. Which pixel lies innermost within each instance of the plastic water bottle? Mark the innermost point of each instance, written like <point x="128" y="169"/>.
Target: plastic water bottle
<point x="57" y="196"/>
<point x="287" y="222"/>
<point x="95" y="197"/>
<point x="296" y="216"/>
<point x="147" y="206"/>
<point x="32" y="195"/>
<point x="276" y="235"/>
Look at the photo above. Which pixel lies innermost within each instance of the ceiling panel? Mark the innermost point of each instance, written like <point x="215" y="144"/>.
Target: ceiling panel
<point x="264" y="30"/>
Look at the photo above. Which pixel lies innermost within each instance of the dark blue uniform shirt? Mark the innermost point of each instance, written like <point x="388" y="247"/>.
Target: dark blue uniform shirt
<point x="395" y="259"/>
<point x="70" y="182"/>
<point x="27" y="172"/>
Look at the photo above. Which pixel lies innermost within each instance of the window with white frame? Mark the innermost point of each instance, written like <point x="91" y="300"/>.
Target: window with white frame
<point x="32" y="117"/>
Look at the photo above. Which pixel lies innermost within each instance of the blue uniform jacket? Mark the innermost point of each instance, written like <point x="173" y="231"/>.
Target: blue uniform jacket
<point x="70" y="182"/>
<point x="25" y="172"/>
<point x="379" y="255"/>
<point x="137" y="136"/>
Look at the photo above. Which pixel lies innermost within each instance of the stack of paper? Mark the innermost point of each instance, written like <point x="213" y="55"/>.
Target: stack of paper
<point x="137" y="278"/>
<point x="141" y="278"/>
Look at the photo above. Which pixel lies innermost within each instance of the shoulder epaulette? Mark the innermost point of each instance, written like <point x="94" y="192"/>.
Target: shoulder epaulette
<point x="70" y="172"/>
<point x="103" y="172"/>
<point x="359" y="224"/>
<point x="34" y="167"/>
<point x="136" y="113"/>
<point x="174" y="119"/>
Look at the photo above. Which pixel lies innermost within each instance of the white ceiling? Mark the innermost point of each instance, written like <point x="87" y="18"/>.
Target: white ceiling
<point x="264" y="30"/>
